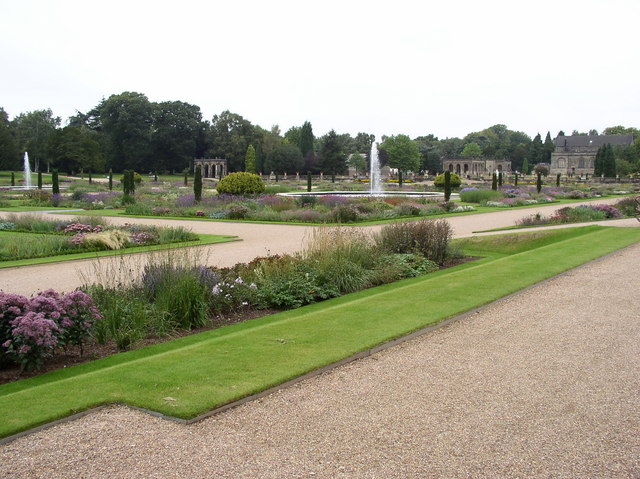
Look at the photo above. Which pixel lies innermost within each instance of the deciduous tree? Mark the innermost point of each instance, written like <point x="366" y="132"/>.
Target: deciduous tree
<point x="332" y="157"/>
<point x="403" y="153"/>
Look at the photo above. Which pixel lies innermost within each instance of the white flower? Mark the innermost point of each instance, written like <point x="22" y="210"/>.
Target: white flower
<point x="239" y="280"/>
<point x="216" y="289"/>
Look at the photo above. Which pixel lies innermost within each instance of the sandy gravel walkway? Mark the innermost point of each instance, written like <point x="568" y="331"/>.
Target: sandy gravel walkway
<point x="257" y="240"/>
<point x="542" y="384"/>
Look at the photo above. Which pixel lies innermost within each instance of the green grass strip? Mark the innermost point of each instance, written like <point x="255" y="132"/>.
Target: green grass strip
<point x="210" y="369"/>
<point x="204" y="239"/>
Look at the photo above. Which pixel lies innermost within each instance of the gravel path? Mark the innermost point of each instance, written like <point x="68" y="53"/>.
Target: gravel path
<point x="542" y="384"/>
<point x="257" y="240"/>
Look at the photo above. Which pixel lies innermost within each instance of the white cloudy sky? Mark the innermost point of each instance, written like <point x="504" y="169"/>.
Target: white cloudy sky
<point x="415" y="67"/>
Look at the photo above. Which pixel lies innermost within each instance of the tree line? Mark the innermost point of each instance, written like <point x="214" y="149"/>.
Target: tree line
<point x="128" y="132"/>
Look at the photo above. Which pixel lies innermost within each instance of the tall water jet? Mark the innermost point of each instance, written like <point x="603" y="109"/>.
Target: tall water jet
<point x="27" y="172"/>
<point x="375" y="185"/>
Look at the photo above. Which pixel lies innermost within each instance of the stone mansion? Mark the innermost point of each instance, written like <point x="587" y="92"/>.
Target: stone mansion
<point x="575" y="155"/>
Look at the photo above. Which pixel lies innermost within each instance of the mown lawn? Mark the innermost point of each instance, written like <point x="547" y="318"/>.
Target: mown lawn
<point x="207" y="370"/>
<point x="203" y="239"/>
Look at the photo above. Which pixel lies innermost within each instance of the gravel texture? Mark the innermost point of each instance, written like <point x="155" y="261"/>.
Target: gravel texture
<point x="542" y="384"/>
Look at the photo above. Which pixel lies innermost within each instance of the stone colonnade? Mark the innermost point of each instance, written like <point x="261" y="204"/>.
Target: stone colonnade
<point x="211" y="168"/>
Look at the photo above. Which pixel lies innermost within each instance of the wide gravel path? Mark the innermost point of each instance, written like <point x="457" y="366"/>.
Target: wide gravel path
<point x="542" y="384"/>
<point x="257" y="240"/>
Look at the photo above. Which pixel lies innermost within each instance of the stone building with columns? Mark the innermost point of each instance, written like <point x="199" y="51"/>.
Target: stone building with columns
<point x="475" y="166"/>
<point x="576" y="155"/>
<point x="211" y="167"/>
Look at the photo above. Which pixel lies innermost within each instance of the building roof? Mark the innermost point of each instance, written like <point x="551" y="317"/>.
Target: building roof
<point x="592" y="140"/>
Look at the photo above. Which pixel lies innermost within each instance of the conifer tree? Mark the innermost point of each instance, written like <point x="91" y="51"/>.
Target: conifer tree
<point x="525" y="167"/>
<point x="548" y="148"/>
<point x="110" y="179"/>
<point x="597" y="164"/>
<point x="536" y="151"/>
<point x="250" y="160"/>
<point x="55" y="183"/>
<point x="197" y="184"/>
<point x="539" y="183"/>
<point x="39" y="180"/>
<point x="494" y="181"/>
<point x="447" y="185"/>
<point x="306" y="138"/>
<point x="609" y="162"/>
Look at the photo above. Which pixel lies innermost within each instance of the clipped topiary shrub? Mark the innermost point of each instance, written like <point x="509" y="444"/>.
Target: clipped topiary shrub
<point x="455" y="180"/>
<point x="241" y="183"/>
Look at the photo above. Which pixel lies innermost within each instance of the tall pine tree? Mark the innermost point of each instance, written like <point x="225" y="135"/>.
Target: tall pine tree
<point x="597" y="164"/>
<point x="536" y="152"/>
<point x="609" y="162"/>
<point x="306" y="138"/>
<point x="548" y="148"/>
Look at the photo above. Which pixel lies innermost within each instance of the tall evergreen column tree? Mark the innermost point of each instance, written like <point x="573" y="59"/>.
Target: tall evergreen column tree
<point x="447" y="185"/>
<point x="494" y="181"/>
<point x="250" y="160"/>
<point x="197" y="184"/>
<point x="308" y="181"/>
<point x="55" y="183"/>
<point x="39" y="180"/>
<point x="525" y="167"/>
<point x="110" y="179"/>
<point x="13" y="179"/>
<point x="515" y="181"/>
<point x="558" y="179"/>
<point x="539" y="183"/>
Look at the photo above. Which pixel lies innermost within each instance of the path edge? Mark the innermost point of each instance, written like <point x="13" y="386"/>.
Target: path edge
<point x="311" y="374"/>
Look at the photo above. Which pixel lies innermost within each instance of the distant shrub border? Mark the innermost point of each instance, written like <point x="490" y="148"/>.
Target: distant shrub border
<point x="241" y="183"/>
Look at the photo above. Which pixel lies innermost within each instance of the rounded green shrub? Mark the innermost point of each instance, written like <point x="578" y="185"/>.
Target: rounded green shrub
<point x="241" y="183"/>
<point x="455" y="180"/>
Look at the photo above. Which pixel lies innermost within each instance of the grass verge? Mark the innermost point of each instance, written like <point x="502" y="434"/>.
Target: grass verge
<point x="204" y="239"/>
<point x="207" y="370"/>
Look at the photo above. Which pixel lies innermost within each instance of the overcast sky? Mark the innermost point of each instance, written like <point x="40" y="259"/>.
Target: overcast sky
<point x="414" y="67"/>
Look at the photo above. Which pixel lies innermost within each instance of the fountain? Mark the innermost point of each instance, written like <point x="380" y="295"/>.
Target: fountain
<point x="375" y="186"/>
<point x="27" y="172"/>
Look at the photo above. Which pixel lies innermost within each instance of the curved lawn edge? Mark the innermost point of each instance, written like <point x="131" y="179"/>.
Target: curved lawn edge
<point x="205" y="371"/>
<point x="204" y="239"/>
